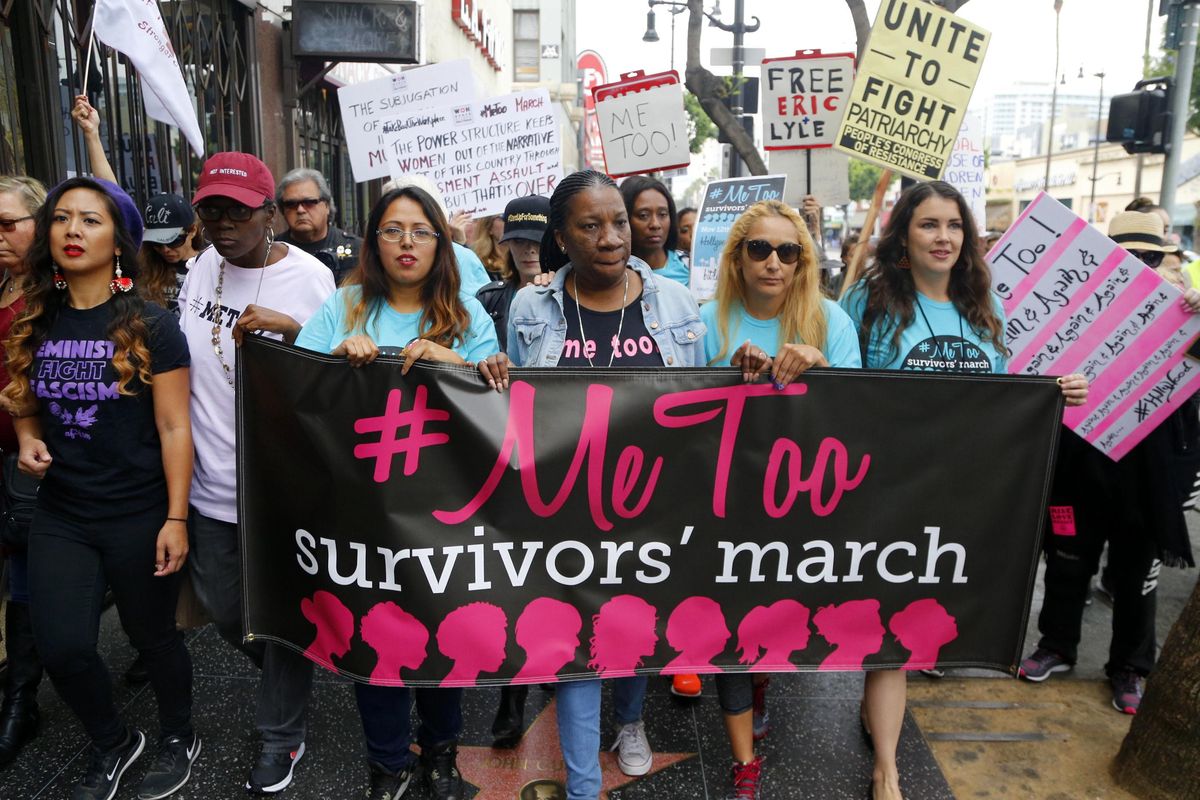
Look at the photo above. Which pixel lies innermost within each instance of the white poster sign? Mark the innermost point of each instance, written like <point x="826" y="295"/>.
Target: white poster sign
<point x="824" y="173"/>
<point x="366" y="105"/>
<point x="643" y="124"/>
<point x="964" y="171"/>
<point x="481" y="154"/>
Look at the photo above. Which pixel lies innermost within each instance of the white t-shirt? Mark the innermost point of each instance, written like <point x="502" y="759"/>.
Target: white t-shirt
<point x="296" y="285"/>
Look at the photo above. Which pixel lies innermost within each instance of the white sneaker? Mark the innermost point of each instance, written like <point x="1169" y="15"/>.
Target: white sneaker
<point x="634" y="756"/>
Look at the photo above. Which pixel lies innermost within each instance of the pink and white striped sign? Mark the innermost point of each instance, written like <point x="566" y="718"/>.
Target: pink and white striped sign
<point x="1078" y="302"/>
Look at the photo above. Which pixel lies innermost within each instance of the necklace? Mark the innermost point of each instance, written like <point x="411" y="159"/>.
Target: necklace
<point x="620" y="322"/>
<point x="216" y="328"/>
<point x="932" y="332"/>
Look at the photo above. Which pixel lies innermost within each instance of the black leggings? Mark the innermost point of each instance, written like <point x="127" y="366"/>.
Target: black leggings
<point x="71" y="561"/>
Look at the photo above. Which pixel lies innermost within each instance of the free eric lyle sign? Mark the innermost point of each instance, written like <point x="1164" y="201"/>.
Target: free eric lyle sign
<point x="345" y="30"/>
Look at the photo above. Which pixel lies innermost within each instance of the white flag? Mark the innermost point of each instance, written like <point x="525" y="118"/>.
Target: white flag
<point x="135" y="27"/>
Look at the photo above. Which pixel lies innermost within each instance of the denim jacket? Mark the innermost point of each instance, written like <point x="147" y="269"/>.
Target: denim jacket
<point x="537" y="326"/>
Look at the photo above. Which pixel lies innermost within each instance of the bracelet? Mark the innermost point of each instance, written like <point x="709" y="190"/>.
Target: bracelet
<point x="177" y="519"/>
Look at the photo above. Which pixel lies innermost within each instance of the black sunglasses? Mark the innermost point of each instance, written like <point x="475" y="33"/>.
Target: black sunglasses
<point x="237" y="212"/>
<point x="307" y="202"/>
<point x="1151" y="258"/>
<point x="760" y="250"/>
<point x="174" y="243"/>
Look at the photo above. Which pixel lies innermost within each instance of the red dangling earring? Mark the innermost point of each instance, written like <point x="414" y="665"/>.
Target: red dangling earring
<point x="60" y="282"/>
<point x="120" y="283"/>
<point x="903" y="262"/>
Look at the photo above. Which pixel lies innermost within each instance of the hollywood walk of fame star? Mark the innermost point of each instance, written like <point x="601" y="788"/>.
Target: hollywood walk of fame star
<point x="500" y="774"/>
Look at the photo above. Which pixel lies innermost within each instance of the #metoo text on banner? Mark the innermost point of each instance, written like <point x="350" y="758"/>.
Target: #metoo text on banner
<point x="912" y="88"/>
<point x="481" y="154"/>
<point x="1078" y="302"/>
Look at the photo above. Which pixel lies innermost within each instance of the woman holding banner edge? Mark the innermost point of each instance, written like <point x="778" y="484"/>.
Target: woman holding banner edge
<point x="406" y="293"/>
<point x="601" y="294"/>
<point x="925" y="303"/>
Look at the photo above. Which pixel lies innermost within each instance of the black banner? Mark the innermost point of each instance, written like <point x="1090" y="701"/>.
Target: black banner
<point x="426" y="530"/>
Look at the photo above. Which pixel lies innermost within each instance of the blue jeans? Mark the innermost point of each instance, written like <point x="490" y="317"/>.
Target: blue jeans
<point x="579" y="728"/>
<point x="388" y="730"/>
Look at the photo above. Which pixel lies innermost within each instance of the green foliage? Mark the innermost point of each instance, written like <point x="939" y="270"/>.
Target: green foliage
<point x="863" y="177"/>
<point x="700" y="127"/>
<point x="1165" y="65"/>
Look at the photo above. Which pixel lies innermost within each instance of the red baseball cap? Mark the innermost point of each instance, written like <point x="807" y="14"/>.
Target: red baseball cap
<point x="238" y="176"/>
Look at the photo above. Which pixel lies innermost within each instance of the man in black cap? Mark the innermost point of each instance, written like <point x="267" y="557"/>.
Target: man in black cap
<point x="524" y="224"/>
<point x="307" y="205"/>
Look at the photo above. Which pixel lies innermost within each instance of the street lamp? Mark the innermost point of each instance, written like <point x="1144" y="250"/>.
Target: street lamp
<point x="651" y="35"/>
<point x="1096" y="145"/>
<point x="1053" y="95"/>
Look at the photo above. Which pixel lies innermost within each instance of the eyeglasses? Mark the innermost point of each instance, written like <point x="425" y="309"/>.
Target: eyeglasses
<point x="10" y="225"/>
<point x="236" y="212"/>
<point x="307" y="202"/>
<point x="1151" y="258"/>
<point x="759" y="250"/>
<point x="416" y="236"/>
<point x="183" y="237"/>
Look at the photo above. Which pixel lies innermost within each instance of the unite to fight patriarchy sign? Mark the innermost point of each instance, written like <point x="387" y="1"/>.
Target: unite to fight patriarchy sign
<point x="426" y="530"/>
<point x="912" y="88"/>
<point x="1076" y="301"/>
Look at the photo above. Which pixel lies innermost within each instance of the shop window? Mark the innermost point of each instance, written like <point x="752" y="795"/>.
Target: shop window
<point x="527" y="51"/>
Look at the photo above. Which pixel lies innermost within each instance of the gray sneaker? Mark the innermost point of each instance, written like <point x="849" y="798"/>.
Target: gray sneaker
<point x="634" y="755"/>
<point x="1041" y="664"/>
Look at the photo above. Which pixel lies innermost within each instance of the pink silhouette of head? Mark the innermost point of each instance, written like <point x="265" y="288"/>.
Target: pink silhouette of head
<point x="474" y="636"/>
<point x="548" y="630"/>
<point x="697" y="630"/>
<point x="923" y="627"/>
<point x="398" y="638"/>
<point x="854" y="629"/>
<point x="335" y="627"/>
<point x="777" y="630"/>
<point x="623" y="633"/>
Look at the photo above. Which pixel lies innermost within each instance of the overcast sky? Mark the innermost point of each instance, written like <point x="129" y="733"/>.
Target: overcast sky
<point x="1097" y="35"/>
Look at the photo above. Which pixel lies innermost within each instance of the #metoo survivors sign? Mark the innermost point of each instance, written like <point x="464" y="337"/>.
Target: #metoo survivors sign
<point x="724" y="201"/>
<point x="912" y="88"/>
<point x="481" y="154"/>
<point x="803" y="98"/>
<point x="425" y="530"/>
<point x="1078" y="302"/>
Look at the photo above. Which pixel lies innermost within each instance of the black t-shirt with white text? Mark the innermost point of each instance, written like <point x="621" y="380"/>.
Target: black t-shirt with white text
<point x="107" y="457"/>
<point x="636" y="348"/>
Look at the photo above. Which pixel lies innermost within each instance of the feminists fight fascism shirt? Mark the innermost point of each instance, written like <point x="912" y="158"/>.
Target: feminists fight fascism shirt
<point x="107" y="457"/>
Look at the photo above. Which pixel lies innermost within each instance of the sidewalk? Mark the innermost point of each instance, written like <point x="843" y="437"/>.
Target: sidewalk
<point x="977" y="735"/>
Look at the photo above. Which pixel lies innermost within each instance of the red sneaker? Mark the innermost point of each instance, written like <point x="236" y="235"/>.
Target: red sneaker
<point x="686" y="685"/>
<point x="746" y="780"/>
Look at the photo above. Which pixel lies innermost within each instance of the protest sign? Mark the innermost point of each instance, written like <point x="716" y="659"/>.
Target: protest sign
<point x="723" y="202"/>
<point x="912" y="88"/>
<point x="824" y="173"/>
<point x="803" y="97"/>
<point x="366" y="105"/>
<point x="965" y="169"/>
<point x="643" y="124"/>
<point x="481" y="154"/>
<point x="422" y="529"/>
<point x="1078" y="302"/>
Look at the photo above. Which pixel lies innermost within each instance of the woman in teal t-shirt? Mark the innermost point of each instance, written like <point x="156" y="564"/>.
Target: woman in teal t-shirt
<point x="768" y="315"/>
<point x="652" y="227"/>
<point x="405" y="295"/>
<point x="925" y="303"/>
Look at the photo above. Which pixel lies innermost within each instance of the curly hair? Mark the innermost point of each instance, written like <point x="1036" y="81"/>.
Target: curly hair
<point x="802" y="316"/>
<point x="127" y="328"/>
<point x="891" y="294"/>
<point x="444" y="318"/>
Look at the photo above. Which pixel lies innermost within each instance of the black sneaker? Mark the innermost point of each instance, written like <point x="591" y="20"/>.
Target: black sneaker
<point x="440" y="765"/>
<point x="103" y="776"/>
<point x="386" y="785"/>
<point x="171" y="768"/>
<point x="273" y="772"/>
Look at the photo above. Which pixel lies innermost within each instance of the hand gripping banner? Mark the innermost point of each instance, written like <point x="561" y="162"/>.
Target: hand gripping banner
<point x="424" y="530"/>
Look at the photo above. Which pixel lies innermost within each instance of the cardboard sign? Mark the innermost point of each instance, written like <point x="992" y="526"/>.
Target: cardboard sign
<point x="643" y="124"/>
<point x="825" y="174"/>
<point x="803" y="97"/>
<point x="724" y="201"/>
<point x="965" y="170"/>
<point x="1078" y="302"/>
<point x="481" y="154"/>
<point x="912" y="88"/>
<point x="366" y="105"/>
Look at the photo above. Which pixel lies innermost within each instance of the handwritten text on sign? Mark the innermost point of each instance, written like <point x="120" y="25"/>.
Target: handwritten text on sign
<point x="803" y="99"/>
<point x="481" y="154"/>
<point x="965" y="169"/>
<point x="643" y="125"/>
<point x="912" y="89"/>
<point x="366" y="105"/>
<point x="724" y="201"/>
<point x="1078" y="302"/>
